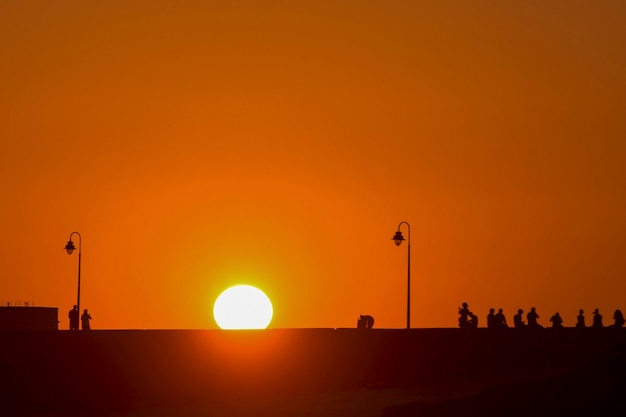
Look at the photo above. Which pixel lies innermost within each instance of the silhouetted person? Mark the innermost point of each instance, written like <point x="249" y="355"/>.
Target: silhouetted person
<point x="597" y="319"/>
<point x="365" y="322"/>
<point x="518" y="322"/>
<point x="619" y="319"/>
<point x="473" y="321"/>
<point x="464" y="316"/>
<point x="557" y="321"/>
<point x="85" y="320"/>
<point x="532" y="317"/>
<point x="500" y="320"/>
<point x="491" y="319"/>
<point x="580" y="320"/>
<point x="73" y="316"/>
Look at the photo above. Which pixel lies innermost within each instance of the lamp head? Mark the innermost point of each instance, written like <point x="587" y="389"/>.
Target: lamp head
<point x="398" y="238"/>
<point x="70" y="247"/>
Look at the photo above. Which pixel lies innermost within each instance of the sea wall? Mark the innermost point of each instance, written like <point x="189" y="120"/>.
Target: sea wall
<point x="104" y="371"/>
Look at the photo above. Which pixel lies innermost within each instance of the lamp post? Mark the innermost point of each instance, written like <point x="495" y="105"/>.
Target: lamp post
<point x="70" y="248"/>
<point x="398" y="239"/>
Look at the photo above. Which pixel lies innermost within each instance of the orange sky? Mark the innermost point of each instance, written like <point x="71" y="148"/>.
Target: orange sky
<point x="197" y="144"/>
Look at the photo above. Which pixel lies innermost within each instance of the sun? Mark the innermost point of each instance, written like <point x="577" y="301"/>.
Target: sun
<point x="243" y="307"/>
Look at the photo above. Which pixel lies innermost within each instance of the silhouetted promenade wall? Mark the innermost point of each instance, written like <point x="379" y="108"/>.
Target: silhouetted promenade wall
<point x="74" y="372"/>
<point x="28" y="318"/>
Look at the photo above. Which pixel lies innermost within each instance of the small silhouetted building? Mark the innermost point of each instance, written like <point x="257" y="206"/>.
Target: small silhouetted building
<point x="29" y="318"/>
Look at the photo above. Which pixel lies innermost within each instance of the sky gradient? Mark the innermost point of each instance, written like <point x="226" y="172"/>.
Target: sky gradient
<point x="197" y="145"/>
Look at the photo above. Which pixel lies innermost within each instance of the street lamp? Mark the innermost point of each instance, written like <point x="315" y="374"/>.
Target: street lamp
<point x="70" y="248"/>
<point x="398" y="239"/>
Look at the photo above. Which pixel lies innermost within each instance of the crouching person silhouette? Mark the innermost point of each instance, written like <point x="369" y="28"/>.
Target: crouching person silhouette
<point x="473" y="321"/>
<point x="557" y="321"/>
<point x="365" y="322"/>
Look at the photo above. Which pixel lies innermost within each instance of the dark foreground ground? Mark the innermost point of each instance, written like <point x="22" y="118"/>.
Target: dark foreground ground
<point x="314" y="372"/>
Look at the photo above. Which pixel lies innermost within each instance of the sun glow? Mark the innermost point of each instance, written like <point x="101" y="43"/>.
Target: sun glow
<point x="243" y="307"/>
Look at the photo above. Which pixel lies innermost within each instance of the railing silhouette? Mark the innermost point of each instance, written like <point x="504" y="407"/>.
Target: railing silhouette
<point x="29" y="303"/>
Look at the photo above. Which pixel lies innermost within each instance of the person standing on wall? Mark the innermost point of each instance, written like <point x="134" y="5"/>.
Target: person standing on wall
<point x="73" y="316"/>
<point x="85" y="320"/>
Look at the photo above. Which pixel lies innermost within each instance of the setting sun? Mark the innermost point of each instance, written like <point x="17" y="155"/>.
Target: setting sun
<point x="243" y="307"/>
